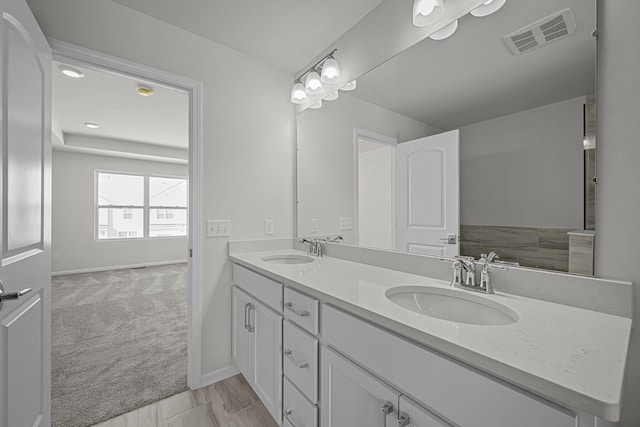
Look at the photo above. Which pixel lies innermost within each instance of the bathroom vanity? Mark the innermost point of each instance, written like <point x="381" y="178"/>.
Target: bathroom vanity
<point x="325" y="341"/>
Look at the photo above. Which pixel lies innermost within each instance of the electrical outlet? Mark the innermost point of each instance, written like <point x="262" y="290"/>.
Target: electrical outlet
<point x="314" y="225"/>
<point x="56" y="256"/>
<point x="218" y="228"/>
<point x="346" y="223"/>
<point x="268" y="227"/>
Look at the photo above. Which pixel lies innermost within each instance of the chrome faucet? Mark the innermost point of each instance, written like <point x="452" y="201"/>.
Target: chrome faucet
<point x="469" y="267"/>
<point x="464" y="272"/>
<point x="315" y="248"/>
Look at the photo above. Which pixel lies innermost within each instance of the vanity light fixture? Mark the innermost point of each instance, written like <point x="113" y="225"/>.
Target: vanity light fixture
<point x="426" y="12"/>
<point x="326" y="70"/>
<point x="71" y="72"/>
<point x="91" y="125"/>
<point x="332" y="96"/>
<point x="349" y="86"/>
<point x="445" y="32"/>
<point x="298" y="95"/>
<point x="316" y="105"/>
<point x="488" y="7"/>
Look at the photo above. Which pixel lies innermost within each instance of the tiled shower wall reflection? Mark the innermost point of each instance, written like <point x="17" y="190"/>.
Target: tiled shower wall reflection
<point x="546" y="248"/>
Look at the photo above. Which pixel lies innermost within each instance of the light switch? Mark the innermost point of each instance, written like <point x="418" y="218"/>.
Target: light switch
<point x="346" y="223"/>
<point x="268" y="227"/>
<point x="314" y="225"/>
<point x="218" y="228"/>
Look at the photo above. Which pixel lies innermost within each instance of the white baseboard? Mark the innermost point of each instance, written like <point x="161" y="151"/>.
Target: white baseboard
<point x="117" y="267"/>
<point x="218" y="375"/>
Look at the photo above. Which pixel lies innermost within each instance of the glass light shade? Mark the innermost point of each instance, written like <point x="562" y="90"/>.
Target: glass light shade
<point x="488" y="7"/>
<point x="332" y="96"/>
<point x="330" y="71"/>
<point x="312" y="84"/>
<point x="298" y="95"/>
<point x="316" y="105"/>
<point x="446" y="31"/>
<point x="426" y="12"/>
<point x="349" y="86"/>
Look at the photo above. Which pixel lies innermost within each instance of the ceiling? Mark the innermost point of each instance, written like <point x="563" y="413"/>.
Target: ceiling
<point x="286" y="33"/>
<point x="472" y="76"/>
<point x="153" y="123"/>
<point x="467" y="78"/>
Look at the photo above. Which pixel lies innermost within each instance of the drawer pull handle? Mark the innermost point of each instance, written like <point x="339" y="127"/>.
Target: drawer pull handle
<point x="289" y="306"/>
<point x="387" y="408"/>
<point x="247" y="317"/>
<point x="404" y="420"/>
<point x="288" y="412"/>
<point x="301" y="365"/>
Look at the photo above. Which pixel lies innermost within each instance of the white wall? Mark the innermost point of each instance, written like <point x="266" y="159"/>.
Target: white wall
<point x="73" y="217"/>
<point x="326" y="157"/>
<point x="618" y="197"/>
<point x="375" y="197"/>
<point x="248" y="134"/>
<point x="524" y="169"/>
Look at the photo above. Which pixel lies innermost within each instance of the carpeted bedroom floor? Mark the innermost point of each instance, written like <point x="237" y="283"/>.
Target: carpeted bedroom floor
<point x="119" y="342"/>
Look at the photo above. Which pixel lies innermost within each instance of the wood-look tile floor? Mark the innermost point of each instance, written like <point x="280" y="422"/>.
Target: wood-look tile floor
<point x="228" y="403"/>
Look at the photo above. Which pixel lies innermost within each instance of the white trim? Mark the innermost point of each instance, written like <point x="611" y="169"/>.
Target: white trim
<point x="218" y="375"/>
<point x="382" y="139"/>
<point x="75" y="55"/>
<point x="118" y="267"/>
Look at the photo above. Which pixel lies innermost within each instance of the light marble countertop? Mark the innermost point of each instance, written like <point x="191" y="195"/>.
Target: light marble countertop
<point x="572" y="356"/>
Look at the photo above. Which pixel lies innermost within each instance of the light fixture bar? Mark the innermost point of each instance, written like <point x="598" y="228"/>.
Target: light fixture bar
<point x="315" y="66"/>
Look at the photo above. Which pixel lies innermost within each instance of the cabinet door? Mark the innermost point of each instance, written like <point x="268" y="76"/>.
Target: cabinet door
<point x="242" y="341"/>
<point x="268" y="357"/>
<point x="352" y="397"/>
<point x="413" y="415"/>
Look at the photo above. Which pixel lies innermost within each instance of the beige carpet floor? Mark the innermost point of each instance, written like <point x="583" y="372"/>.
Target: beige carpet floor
<point x="119" y="342"/>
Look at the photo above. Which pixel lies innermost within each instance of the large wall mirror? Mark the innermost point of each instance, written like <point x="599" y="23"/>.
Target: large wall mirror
<point x="515" y="92"/>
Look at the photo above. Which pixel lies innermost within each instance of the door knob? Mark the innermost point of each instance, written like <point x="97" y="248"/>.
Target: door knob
<point x="11" y="295"/>
<point x="450" y="239"/>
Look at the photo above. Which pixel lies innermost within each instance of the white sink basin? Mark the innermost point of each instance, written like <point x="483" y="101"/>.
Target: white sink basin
<point x="454" y="305"/>
<point x="288" y="259"/>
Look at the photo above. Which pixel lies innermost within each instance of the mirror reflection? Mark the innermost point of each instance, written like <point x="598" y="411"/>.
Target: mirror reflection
<point x="484" y="141"/>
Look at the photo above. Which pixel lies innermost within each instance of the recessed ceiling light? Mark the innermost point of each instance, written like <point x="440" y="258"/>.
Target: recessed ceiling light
<point x="145" y="91"/>
<point x="71" y="72"/>
<point x="91" y="125"/>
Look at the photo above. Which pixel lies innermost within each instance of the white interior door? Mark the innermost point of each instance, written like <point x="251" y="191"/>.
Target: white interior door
<point x="25" y="225"/>
<point x="428" y="195"/>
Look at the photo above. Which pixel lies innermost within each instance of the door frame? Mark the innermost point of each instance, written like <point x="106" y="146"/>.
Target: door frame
<point x="87" y="58"/>
<point x="359" y="134"/>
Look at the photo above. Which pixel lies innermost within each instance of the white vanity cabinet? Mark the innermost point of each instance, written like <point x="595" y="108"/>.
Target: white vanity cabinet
<point x="454" y="391"/>
<point x="257" y="336"/>
<point x="353" y="397"/>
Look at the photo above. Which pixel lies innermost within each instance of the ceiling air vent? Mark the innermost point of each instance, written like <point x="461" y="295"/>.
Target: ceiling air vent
<point x="544" y="31"/>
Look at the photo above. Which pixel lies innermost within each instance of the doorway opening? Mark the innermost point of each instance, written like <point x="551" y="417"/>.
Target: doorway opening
<point x="375" y="190"/>
<point x="130" y="269"/>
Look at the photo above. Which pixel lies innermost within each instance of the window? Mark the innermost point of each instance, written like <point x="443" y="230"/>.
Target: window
<point x="136" y="206"/>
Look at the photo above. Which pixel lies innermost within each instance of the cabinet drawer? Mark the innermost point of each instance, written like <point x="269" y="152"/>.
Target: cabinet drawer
<point x="299" y="411"/>
<point x="461" y="394"/>
<point x="266" y="290"/>
<point x="301" y="310"/>
<point x="301" y="360"/>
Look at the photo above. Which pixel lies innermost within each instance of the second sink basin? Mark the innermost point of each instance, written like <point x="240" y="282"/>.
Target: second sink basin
<point x="288" y="259"/>
<point x="454" y="305"/>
